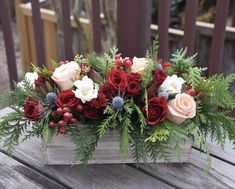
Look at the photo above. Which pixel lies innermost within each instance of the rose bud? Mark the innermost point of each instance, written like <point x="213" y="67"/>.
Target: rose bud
<point x="191" y="92"/>
<point x="127" y="63"/>
<point x="118" y="62"/>
<point x="61" y="123"/>
<point x="67" y="116"/>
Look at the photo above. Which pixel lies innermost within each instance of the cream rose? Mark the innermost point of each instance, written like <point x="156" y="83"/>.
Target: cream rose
<point x="64" y="75"/>
<point x="181" y="108"/>
<point x="172" y="85"/>
<point x="138" y="65"/>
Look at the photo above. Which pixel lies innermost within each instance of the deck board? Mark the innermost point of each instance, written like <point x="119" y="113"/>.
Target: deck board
<point x="186" y="175"/>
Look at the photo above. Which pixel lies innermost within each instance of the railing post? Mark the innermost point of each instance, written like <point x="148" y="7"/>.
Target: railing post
<point x="133" y="27"/>
<point x="8" y="40"/>
<point x="217" y="49"/>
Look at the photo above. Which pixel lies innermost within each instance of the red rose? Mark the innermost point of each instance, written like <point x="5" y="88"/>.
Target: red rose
<point x="92" y="113"/>
<point x="118" y="79"/>
<point x="159" y="76"/>
<point x="108" y="90"/>
<point x="32" y="109"/>
<point x="100" y="102"/>
<point x="66" y="99"/>
<point x="157" y="110"/>
<point x="134" y="76"/>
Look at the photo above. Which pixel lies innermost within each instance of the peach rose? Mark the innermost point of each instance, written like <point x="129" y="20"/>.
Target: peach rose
<point x="65" y="74"/>
<point x="138" y="65"/>
<point x="181" y="108"/>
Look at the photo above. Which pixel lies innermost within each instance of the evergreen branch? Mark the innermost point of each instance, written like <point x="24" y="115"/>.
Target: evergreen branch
<point x="141" y="119"/>
<point x="159" y="134"/>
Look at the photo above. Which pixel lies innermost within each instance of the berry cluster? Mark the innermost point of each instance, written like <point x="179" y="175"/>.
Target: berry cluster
<point x="125" y="63"/>
<point x="192" y="92"/>
<point x="61" y="118"/>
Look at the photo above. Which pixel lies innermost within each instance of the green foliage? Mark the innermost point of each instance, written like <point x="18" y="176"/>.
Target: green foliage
<point x="44" y="72"/>
<point x="138" y="147"/>
<point x="125" y="136"/>
<point x="12" y="126"/>
<point x="152" y="52"/>
<point x="141" y="119"/>
<point x="195" y="76"/>
<point x="85" y="142"/>
<point x="147" y="75"/>
<point x="159" y="134"/>
<point x="182" y="63"/>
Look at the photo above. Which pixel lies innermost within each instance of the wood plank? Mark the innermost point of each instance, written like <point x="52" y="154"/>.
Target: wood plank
<point x="91" y="176"/>
<point x="191" y="176"/>
<point x="16" y="175"/>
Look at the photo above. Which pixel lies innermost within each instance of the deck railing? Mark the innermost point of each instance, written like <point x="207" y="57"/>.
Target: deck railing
<point x="133" y="30"/>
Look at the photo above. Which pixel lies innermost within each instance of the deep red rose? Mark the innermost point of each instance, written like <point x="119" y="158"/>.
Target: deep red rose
<point x="67" y="99"/>
<point x="100" y="102"/>
<point x="157" y="110"/>
<point x="118" y="79"/>
<point x="32" y="109"/>
<point x="159" y="76"/>
<point x="133" y="88"/>
<point x="108" y="90"/>
<point x="134" y="76"/>
<point x="91" y="112"/>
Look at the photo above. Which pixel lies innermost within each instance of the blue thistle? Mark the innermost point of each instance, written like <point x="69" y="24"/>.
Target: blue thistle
<point x="163" y="94"/>
<point x="118" y="102"/>
<point x="51" y="97"/>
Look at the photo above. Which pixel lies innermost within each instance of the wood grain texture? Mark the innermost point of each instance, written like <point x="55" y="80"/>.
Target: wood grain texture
<point x="61" y="151"/>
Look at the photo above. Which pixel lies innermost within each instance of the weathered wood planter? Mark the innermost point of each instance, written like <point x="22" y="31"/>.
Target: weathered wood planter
<point x="61" y="151"/>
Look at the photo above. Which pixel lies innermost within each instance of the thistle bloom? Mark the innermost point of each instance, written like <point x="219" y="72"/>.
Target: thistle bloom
<point x="86" y="89"/>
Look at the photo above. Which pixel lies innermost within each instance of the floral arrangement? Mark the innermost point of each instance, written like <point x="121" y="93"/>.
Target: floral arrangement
<point x="155" y="105"/>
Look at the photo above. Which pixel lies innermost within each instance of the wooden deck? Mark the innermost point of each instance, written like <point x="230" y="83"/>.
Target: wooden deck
<point x="25" y="170"/>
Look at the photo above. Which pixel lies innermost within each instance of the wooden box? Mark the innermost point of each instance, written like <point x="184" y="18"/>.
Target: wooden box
<point x="60" y="151"/>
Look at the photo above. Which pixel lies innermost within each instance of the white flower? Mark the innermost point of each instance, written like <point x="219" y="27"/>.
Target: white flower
<point x="30" y="77"/>
<point x="138" y="65"/>
<point x="64" y="75"/>
<point x="86" y="89"/>
<point x="172" y="85"/>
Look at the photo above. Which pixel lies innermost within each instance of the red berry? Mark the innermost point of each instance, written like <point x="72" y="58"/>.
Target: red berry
<point x="200" y="94"/>
<point x="67" y="116"/>
<point x="65" y="109"/>
<point x="118" y="62"/>
<point x="53" y="114"/>
<point x="191" y="92"/>
<point x="61" y="123"/>
<point x="62" y="130"/>
<point x="73" y="121"/>
<point x="59" y="111"/>
<point x="127" y="63"/>
<point x="79" y="108"/>
<point x="51" y="124"/>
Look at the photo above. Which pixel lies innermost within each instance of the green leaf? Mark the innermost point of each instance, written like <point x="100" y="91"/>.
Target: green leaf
<point x="159" y="134"/>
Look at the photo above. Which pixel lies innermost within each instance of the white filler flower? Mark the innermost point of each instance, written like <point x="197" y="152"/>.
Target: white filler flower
<point x="86" y="89"/>
<point x="172" y="85"/>
<point x="31" y="77"/>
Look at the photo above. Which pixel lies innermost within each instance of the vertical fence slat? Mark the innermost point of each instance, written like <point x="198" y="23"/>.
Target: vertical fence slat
<point x="67" y="29"/>
<point x="38" y="33"/>
<point x="9" y="44"/>
<point x="217" y="48"/>
<point x="163" y="25"/>
<point x="190" y="25"/>
<point x="96" y="25"/>
<point x="133" y="27"/>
